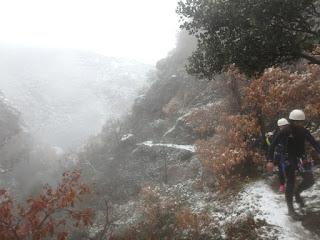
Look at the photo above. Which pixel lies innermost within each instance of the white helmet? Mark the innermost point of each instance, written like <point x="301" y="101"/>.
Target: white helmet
<point x="282" y="122"/>
<point x="297" y="115"/>
<point x="269" y="134"/>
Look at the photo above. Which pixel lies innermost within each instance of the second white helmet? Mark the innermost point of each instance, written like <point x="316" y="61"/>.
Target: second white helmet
<point x="297" y="115"/>
<point x="282" y="122"/>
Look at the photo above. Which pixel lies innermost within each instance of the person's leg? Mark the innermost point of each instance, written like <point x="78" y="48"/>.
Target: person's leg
<point x="307" y="182"/>
<point x="282" y="179"/>
<point x="290" y="177"/>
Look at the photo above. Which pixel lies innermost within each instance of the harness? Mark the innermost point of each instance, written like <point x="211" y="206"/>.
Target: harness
<point x="281" y="155"/>
<point x="305" y="165"/>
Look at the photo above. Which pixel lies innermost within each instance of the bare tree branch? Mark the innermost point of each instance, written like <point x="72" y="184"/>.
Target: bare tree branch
<point x="310" y="58"/>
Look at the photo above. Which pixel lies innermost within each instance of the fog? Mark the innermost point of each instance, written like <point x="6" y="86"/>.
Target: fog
<point x="66" y="69"/>
<point x="144" y="30"/>
<point x="158" y="119"/>
<point x="67" y="66"/>
<point x="65" y="96"/>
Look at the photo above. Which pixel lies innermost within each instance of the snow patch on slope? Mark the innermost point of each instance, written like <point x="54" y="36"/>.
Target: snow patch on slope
<point x="190" y="148"/>
<point x="272" y="207"/>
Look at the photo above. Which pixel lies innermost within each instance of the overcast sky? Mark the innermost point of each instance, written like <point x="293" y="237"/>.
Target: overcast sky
<point x="141" y="29"/>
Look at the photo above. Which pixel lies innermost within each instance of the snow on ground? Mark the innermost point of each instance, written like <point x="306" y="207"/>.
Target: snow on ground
<point x="190" y="148"/>
<point x="256" y="199"/>
<point x="3" y="170"/>
<point x="312" y="195"/>
<point x="169" y="131"/>
<point x="272" y="207"/>
<point x="126" y="137"/>
<point x="178" y="121"/>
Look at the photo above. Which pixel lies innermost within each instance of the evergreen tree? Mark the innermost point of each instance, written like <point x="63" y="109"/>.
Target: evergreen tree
<point x="252" y="34"/>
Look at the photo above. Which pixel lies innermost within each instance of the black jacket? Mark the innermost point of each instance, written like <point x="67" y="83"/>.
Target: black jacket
<point x="294" y="138"/>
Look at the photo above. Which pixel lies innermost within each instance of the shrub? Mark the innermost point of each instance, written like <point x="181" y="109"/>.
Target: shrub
<point x="245" y="229"/>
<point x="278" y="91"/>
<point x="231" y="154"/>
<point x="53" y="213"/>
<point x="235" y="151"/>
<point x="168" y="217"/>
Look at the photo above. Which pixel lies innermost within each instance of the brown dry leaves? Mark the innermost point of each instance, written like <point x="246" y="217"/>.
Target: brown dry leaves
<point x="278" y="91"/>
<point x="53" y="213"/>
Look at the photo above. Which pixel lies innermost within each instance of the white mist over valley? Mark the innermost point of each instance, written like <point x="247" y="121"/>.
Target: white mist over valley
<point x="65" y="96"/>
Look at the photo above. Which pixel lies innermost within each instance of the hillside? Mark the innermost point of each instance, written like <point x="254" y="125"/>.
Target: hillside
<point x="66" y="95"/>
<point x="171" y="170"/>
<point x="194" y="154"/>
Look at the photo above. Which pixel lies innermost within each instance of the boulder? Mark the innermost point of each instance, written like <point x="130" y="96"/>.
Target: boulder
<point x="169" y="163"/>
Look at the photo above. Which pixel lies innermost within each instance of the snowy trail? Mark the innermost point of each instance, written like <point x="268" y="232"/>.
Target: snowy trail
<point x="272" y="207"/>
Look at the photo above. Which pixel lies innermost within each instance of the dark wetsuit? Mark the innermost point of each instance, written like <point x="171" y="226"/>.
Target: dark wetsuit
<point x="279" y="158"/>
<point x="279" y="154"/>
<point x="294" y="138"/>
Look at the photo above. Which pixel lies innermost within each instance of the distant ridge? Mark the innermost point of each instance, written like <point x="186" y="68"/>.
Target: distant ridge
<point x="66" y="95"/>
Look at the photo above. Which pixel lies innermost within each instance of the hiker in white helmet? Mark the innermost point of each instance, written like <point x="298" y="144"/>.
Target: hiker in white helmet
<point x="279" y="153"/>
<point x="294" y="136"/>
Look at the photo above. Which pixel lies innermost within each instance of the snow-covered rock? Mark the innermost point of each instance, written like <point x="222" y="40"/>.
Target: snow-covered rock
<point x="128" y="139"/>
<point x="180" y="132"/>
<point x="169" y="163"/>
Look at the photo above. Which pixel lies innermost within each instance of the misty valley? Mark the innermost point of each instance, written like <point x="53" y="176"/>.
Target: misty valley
<point x="160" y="120"/>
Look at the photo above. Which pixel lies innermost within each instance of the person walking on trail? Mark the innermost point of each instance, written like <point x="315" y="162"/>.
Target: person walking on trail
<point x="294" y="136"/>
<point x="279" y="152"/>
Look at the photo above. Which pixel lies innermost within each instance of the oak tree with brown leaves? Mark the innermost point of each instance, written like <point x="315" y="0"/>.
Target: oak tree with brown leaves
<point x="53" y="213"/>
<point x="255" y="105"/>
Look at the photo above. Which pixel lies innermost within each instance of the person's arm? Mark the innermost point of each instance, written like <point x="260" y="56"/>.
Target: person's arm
<point x="268" y="138"/>
<point x="276" y="140"/>
<point x="312" y="141"/>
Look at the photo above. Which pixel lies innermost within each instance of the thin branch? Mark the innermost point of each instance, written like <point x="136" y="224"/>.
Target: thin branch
<point x="107" y="223"/>
<point x="12" y="228"/>
<point x="47" y="215"/>
<point x="312" y="59"/>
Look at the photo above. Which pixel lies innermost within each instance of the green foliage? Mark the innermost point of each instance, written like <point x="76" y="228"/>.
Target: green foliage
<point x="252" y="34"/>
